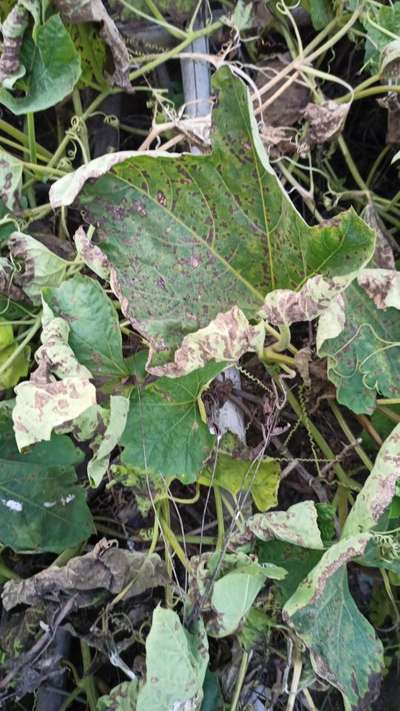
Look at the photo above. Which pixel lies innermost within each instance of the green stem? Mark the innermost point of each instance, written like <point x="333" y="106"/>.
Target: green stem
<point x="87" y="682"/>
<point x="29" y="335"/>
<point x="351" y="165"/>
<point x="166" y="56"/>
<point x="349" y="435"/>
<point x="6" y="572"/>
<point x="78" y="108"/>
<point x="21" y="137"/>
<point x="30" y="124"/>
<point x="220" y="518"/>
<point x="344" y="478"/>
<point x="240" y="680"/>
<point x="173" y="542"/>
<point x="44" y="169"/>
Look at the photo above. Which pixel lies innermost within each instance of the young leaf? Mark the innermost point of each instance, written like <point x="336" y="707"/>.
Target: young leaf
<point x="343" y="647"/>
<point x="94" y="334"/>
<point x="164" y="432"/>
<point x="176" y="663"/>
<point x="297" y="525"/>
<point x="54" y="68"/>
<point x="379" y="489"/>
<point x="177" y="226"/>
<point x="297" y="562"/>
<point x="42" y="507"/>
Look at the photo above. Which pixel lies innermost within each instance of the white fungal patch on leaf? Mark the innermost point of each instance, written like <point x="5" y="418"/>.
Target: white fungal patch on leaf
<point x="11" y="504"/>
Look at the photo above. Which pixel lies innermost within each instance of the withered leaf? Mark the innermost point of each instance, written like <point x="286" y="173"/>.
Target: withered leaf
<point x="77" y="11"/>
<point x="105" y="567"/>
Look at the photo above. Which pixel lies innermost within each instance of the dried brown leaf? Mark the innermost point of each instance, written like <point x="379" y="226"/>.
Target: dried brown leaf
<point x="106" y="567"/>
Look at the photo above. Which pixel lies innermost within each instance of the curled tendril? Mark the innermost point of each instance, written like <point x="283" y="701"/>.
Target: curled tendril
<point x="111" y="120"/>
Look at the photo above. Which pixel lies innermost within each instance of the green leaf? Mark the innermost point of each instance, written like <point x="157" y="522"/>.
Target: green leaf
<point x="343" y="647"/>
<point x="262" y="478"/>
<point x="378" y="491"/>
<point x="297" y="561"/>
<point x="176" y="663"/>
<point x="10" y="179"/>
<point x="175" y="227"/>
<point x="321" y="12"/>
<point x="362" y="344"/>
<point x="6" y="334"/>
<point x="94" y="334"/>
<point x="39" y="266"/>
<point x="297" y="525"/>
<point x="388" y="18"/>
<point x="18" y="368"/>
<point x="234" y="594"/>
<point x="42" y="507"/>
<point x="54" y="68"/>
<point x="164" y="432"/>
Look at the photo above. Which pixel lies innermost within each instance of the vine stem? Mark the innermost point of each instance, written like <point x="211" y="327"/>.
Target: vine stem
<point x="349" y="435"/>
<point x="344" y="478"/>
<point x="220" y="518"/>
<point x="240" y="680"/>
<point x="87" y="683"/>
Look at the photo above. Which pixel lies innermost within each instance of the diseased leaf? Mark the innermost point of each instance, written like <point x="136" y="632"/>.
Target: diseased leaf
<point x="41" y="267"/>
<point x="10" y="179"/>
<point x="105" y="442"/>
<point x="343" y="647"/>
<point x="91" y="254"/>
<point x="54" y="68"/>
<point x="105" y="567"/>
<point x="226" y="338"/>
<point x="77" y="11"/>
<point x="94" y="333"/>
<point x="362" y="344"/>
<point x="297" y="525"/>
<point x="122" y="697"/>
<point x="42" y="507"/>
<point x="176" y="663"/>
<point x="164" y="432"/>
<point x="177" y="226"/>
<point x="13" y="29"/>
<point x="378" y="491"/>
<point x="234" y="475"/>
<point x="44" y="403"/>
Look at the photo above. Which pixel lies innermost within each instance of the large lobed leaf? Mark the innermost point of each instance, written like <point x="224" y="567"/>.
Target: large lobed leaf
<point x="188" y="237"/>
<point x="165" y="433"/>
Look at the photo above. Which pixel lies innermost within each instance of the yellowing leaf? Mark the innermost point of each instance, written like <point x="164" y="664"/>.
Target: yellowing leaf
<point x="234" y="475"/>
